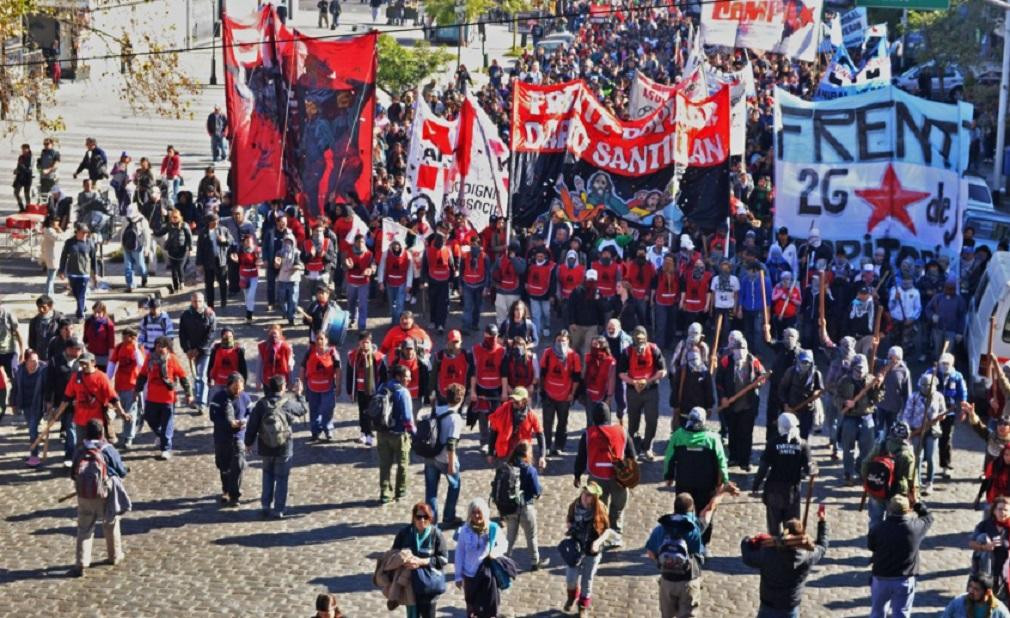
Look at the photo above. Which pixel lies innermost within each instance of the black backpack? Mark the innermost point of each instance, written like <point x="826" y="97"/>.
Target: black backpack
<point x="380" y="409"/>
<point x="506" y="489"/>
<point x="130" y="239"/>
<point x="427" y="441"/>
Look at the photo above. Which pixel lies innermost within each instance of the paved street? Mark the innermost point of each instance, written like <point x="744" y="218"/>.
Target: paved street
<point x="188" y="557"/>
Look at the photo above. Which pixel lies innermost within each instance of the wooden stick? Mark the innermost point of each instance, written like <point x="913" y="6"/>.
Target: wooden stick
<point x="823" y="322"/>
<point x="715" y="344"/>
<point x="764" y="307"/>
<point x="810" y="496"/>
<point x="789" y="296"/>
<point x="806" y="402"/>
<point x="743" y="391"/>
<point x="872" y="360"/>
<point x="866" y="389"/>
<point x="67" y="497"/>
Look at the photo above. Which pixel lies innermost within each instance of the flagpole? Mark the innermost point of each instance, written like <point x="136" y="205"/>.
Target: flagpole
<point x="512" y="169"/>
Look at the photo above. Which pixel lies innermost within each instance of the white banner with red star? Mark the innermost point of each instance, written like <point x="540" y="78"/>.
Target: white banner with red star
<point x="789" y="27"/>
<point x="876" y="169"/>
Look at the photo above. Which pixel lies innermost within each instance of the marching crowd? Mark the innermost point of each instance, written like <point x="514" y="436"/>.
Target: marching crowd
<point x="595" y="316"/>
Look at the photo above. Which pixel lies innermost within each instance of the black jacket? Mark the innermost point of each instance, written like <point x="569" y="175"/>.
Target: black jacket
<point x="784" y="571"/>
<point x="434" y="548"/>
<point x="196" y="330"/>
<point x="41" y="332"/>
<point x="294" y="407"/>
<point x="786" y="462"/>
<point x="895" y="543"/>
<point x="79" y="258"/>
<point x="212" y="248"/>
<point x="583" y="309"/>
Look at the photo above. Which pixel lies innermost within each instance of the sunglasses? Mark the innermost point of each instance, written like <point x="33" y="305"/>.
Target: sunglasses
<point x="421" y="517"/>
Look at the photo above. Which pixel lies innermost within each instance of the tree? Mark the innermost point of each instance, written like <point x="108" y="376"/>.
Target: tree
<point x="404" y="68"/>
<point x="150" y="80"/>
<point x="444" y="11"/>
<point x="953" y="36"/>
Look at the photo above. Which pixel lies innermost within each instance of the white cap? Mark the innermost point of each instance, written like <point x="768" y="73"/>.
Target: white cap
<point x="868" y="268"/>
<point x="815" y="233"/>
<point x="591" y="274"/>
<point x="686" y="242"/>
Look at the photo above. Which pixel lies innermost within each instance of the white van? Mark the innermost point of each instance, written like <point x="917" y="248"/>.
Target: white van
<point x="991" y="226"/>
<point x="991" y="298"/>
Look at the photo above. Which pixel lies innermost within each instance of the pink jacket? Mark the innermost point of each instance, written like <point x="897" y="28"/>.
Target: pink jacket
<point x="171" y="166"/>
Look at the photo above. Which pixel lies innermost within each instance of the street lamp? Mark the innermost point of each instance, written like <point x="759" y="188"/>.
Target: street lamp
<point x="460" y="18"/>
<point x="213" y="42"/>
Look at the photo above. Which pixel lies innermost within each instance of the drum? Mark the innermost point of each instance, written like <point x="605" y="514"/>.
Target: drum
<point x="335" y="325"/>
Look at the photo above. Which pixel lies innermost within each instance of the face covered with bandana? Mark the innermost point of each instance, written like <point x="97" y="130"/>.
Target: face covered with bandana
<point x="561" y="347"/>
<point x="740" y="352"/>
<point x="694" y="361"/>
<point x="791" y="338"/>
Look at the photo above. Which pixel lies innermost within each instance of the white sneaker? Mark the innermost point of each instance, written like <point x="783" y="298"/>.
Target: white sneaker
<point x="928" y="489"/>
<point x="483" y="449"/>
<point x="363" y="439"/>
<point x="370" y="440"/>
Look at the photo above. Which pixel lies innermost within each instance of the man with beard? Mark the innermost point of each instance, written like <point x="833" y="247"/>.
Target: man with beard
<point x="737" y="371"/>
<point x="801" y="382"/>
<point x="857" y="392"/>
<point x="690" y="386"/>
<point x="641" y="367"/>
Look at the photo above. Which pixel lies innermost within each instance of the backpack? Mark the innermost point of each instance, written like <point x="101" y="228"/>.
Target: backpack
<point x="380" y="409"/>
<point x="130" y="239"/>
<point x="427" y="441"/>
<point x="506" y="489"/>
<point x="92" y="475"/>
<point x="275" y="430"/>
<point x="879" y="477"/>
<point x="674" y="558"/>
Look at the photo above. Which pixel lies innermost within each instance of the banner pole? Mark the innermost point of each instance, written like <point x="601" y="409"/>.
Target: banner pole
<point x="512" y="168"/>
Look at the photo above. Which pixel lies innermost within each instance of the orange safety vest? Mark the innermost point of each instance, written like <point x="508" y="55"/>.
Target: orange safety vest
<point x="396" y="269"/>
<point x="603" y="443"/>
<point x="606" y="281"/>
<point x="640" y="278"/>
<point x="558" y="377"/>
<point x="508" y="279"/>
<point x="487" y="365"/>
<point x="597" y="376"/>
<point x="474" y="274"/>
<point x="640" y="366"/>
<point x="225" y="364"/>
<point x="570" y="278"/>
<point x="696" y="291"/>
<point x="451" y="370"/>
<point x="319" y="370"/>
<point x="315" y="264"/>
<point x="667" y="289"/>
<point x="356" y="273"/>
<point x="414" y="387"/>
<point x="438" y="263"/>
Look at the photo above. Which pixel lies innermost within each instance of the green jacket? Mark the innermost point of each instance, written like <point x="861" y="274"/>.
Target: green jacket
<point x="904" y="467"/>
<point x="685" y="446"/>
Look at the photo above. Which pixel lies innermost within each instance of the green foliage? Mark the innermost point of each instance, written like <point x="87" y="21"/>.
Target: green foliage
<point x="404" y="68"/>
<point x="444" y="11"/>
<point x="953" y="36"/>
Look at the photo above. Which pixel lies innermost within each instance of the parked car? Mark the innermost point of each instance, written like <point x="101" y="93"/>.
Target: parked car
<point x="953" y="79"/>
<point x="555" y="40"/>
<point x="991" y="225"/>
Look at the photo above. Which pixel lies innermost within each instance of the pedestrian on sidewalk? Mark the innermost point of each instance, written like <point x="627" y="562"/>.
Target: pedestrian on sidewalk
<point x="28" y="396"/>
<point x="213" y="246"/>
<point x="335" y="14"/>
<point x="321" y="374"/>
<point x="79" y="264"/>
<point x="100" y="334"/>
<point x="197" y="326"/>
<point x="178" y="244"/>
<point x="97" y="472"/>
<point x="524" y="514"/>
<point x="323" y="20"/>
<point x="602" y="443"/>
<point x="125" y="363"/>
<point x="50" y="249"/>
<point x="366" y="370"/>
<point x="676" y="546"/>
<point x="449" y="426"/>
<point x="135" y="240"/>
<point x="249" y="260"/>
<point x="48" y="163"/>
<point x="271" y="428"/>
<point x="225" y="358"/>
<point x="478" y="539"/>
<point x="429" y="556"/>
<point x="217" y="129"/>
<point x="589" y="528"/>
<point x="23" y="175"/>
<point x="980" y="600"/>
<point x="171" y="171"/>
<point x="95" y="162"/>
<point x="229" y="412"/>
<point x="895" y="543"/>
<point x="394" y="440"/>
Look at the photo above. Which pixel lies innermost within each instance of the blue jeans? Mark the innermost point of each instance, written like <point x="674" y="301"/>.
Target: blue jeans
<point x="161" y="418"/>
<point x="432" y="476"/>
<point x="33" y="418"/>
<point x="275" y="483"/>
<point x="288" y="292"/>
<point x="218" y="148"/>
<point x="541" y="310"/>
<point x="357" y="303"/>
<point x="856" y="429"/>
<point x="766" y="612"/>
<point x="473" y="300"/>
<point x="271" y="285"/>
<point x="397" y="297"/>
<point x="898" y="593"/>
<point x="69" y="435"/>
<point x="200" y="390"/>
<point x="665" y="323"/>
<point x="50" y="281"/>
<point x="131" y="260"/>
<point x="79" y="286"/>
<point x="321" y="411"/>
<point x="928" y="448"/>
<point x="129" y="400"/>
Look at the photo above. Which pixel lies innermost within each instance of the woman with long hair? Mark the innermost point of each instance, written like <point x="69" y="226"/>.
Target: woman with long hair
<point x="519" y="324"/>
<point x="587" y="524"/>
<point x="479" y="538"/>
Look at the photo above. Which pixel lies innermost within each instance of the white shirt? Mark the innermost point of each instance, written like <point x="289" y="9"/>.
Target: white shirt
<point x="725" y="297"/>
<point x="656" y="257"/>
<point x="905" y="304"/>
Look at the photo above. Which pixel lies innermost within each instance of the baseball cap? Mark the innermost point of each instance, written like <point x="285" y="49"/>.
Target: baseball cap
<point x="491" y="329"/>
<point x="519" y="393"/>
<point x="591" y="275"/>
<point x="87" y="357"/>
<point x="454" y="335"/>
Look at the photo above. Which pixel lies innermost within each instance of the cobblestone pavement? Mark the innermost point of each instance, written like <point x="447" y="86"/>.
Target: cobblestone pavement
<point x="185" y="556"/>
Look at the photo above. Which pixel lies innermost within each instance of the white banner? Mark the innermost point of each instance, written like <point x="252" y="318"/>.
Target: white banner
<point x="880" y="168"/>
<point x="357" y="227"/>
<point x="479" y="183"/>
<point x="786" y="27"/>
<point x="854" y="25"/>
<point x="646" y="95"/>
<point x="741" y="86"/>
<point x="430" y="159"/>
<point x="391" y="230"/>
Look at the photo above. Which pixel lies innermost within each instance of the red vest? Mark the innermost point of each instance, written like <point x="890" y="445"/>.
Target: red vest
<point x="640" y="278"/>
<point x="558" y="375"/>
<point x="356" y="273"/>
<point x="396" y="269"/>
<point x="315" y="264"/>
<point x="247" y="263"/>
<point x="474" y="274"/>
<point x="597" y="376"/>
<point x="414" y="386"/>
<point x="603" y="443"/>
<point x="696" y="291"/>
<point x="667" y="289"/>
<point x="640" y="366"/>
<point x="606" y="281"/>
<point x="357" y="360"/>
<point x="508" y="279"/>
<point x="570" y="278"/>
<point x="487" y="366"/>
<point x="520" y="371"/>
<point x="438" y="263"/>
<point x="538" y="278"/>
<point x="451" y="370"/>
<point x="319" y="370"/>
<point x="274" y="364"/>
<point x="225" y="364"/>
<point x="127" y="368"/>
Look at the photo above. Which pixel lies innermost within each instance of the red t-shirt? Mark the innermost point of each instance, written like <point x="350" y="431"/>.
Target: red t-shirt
<point x="129" y="358"/>
<point x="157" y="389"/>
<point x="509" y="436"/>
<point x="90" y="392"/>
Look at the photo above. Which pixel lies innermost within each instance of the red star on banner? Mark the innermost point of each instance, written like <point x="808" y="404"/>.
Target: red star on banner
<point x="890" y="200"/>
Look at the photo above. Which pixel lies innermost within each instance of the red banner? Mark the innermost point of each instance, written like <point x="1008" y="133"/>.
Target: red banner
<point x="568" y="117"/>
<point x="316" y="147"/>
